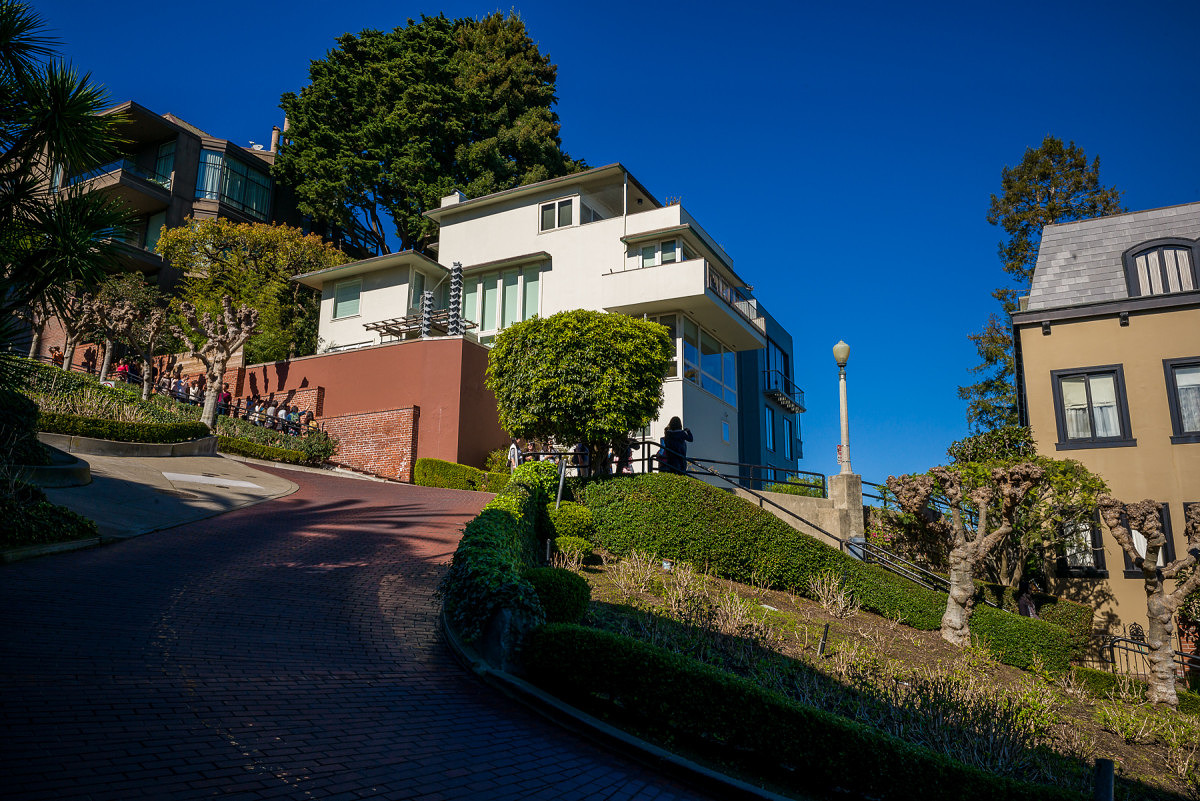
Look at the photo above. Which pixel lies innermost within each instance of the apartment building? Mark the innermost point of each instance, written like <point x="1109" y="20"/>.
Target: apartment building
<point x="594" y="240"/>
<point x="1108" y="369"/>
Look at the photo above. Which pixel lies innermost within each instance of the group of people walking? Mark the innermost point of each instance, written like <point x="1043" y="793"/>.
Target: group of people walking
<point x="618" y="460"/>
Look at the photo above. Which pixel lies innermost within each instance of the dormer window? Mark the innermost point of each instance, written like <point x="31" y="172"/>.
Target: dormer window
<point x="1161" y="268"/>
<point x="559" y="214"/>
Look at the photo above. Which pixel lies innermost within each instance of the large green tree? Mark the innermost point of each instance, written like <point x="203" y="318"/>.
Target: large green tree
<point x="49" y="240"/>
<point x="392" y="122"/>
<point x="253" y="264"/>
<point x="579" y="376"/>
<point x="1054" y="183"/>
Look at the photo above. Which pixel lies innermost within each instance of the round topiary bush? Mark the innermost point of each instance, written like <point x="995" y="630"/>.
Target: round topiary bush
<point x="564" y="595"/>
<point x="572" y="520"/>
<point x="572" y="546"/>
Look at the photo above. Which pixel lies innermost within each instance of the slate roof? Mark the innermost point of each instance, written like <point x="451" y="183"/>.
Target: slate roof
<point x="1081" y="262"/>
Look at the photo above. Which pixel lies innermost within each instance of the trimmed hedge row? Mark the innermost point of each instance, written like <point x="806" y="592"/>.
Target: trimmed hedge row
<point x="563" y="595"/>
<point x="572" y="520"/>
<point x="1076" y="618"/>
<point x="256" y="451"/>
<point x="30" y="519"/>
<point x="120" y="432"/>
<point x="690" y="521"/>
<point x="496" y="546"/>
<point x="451" y="475"/>
<point x="1100" y="683"/>
<point x="676" y="700"/>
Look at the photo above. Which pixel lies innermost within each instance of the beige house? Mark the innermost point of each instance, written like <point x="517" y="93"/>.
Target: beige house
<point x="1108" y="373"/>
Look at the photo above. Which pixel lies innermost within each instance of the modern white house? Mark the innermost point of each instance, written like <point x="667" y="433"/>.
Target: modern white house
<point x="593" y="240"/>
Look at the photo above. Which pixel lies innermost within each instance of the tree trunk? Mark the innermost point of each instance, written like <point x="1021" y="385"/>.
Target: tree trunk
<point x="209" y="415"/>
<point x="1162" y="655"/>
<point x="35" y="343"/>
<point x="955" y="621"/>
<point x="147" y="376"/>
<point x="106" y="365"/>
<point x="68" y="356"/>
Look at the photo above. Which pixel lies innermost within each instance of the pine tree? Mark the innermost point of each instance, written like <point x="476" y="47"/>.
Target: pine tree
<point x="1054" y="183"/>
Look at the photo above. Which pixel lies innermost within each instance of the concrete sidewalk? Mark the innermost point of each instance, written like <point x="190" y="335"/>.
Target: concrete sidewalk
<point x="133" y="495"/>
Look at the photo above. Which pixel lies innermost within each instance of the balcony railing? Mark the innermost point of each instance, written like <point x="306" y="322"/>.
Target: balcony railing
<point x="780" y="388"/>
<point x="743" y="304"/>
<point x="123" y="165"/>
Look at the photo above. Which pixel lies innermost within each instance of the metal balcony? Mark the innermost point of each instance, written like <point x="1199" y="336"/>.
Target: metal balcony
<point x="779" y="388"/>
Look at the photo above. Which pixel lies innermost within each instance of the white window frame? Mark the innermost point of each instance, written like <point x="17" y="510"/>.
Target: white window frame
<point x="496" y="277"/>
<point x="346" y="282"/>
<point x="571" y="200"/>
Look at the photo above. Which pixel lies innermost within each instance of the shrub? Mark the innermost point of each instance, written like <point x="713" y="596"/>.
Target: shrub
<point x="677" y="701"/>
<point x="690" y="521"/>
<point x="18" y="430"/>
<point x="494" y="482"/>
<point x="120" y="431"/>
<point x="564" y="595"/>
<point x="63" y="392"/>
<point x="485" y="573"/>
<point x="257" y="451"/>
<point x="572" y="520"/>
<point x="1101" y="683"/>
<point x="447" y="475"/>
<point x="795" y="485"/>
<point x="317" y="446"/>
<point x="575" y="546"/>
<point x="29" y="519"/>
<point x="1074" y="617"/>
<point x="497" y="462"/>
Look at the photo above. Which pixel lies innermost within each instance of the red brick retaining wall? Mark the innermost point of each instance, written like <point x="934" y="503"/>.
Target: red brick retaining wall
<point x="383" y="443"/>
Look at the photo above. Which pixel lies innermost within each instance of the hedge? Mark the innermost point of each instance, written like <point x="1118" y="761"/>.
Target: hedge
<point x="690" y="521"/>
<point x="451" y="475"/>
<point x="496" y="546"/>
<point x="1076" y="618"/>
<point x="572" y="520"/>
<point x="676" y="700"/>
<point x="30" y="519"/>
<point x="563" y="595"/>
<point x="1100" y="683"/>
<point x="121" y="432"/>
<point x="256" y="451"/>
<point x="18" y="430"/>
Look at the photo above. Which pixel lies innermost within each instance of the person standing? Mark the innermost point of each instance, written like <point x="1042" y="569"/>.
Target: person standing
<point x="514" y="455"/>
<point x="673" y="447"/>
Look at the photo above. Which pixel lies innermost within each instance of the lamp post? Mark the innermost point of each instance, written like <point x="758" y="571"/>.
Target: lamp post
<point x="841" y="354"/>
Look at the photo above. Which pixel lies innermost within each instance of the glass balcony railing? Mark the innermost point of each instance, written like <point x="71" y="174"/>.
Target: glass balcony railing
<point x="780" y="388"/>
<point x="123" y="164"/>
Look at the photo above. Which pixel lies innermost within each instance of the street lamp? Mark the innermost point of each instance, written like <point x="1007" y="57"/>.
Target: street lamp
<point x="841" y="354"/>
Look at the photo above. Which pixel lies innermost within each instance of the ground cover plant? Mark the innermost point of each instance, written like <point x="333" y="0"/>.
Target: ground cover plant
<point x="1026" y="726"/>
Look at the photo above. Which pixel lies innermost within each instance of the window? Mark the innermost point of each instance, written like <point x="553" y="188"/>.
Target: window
<point x="233" y="183"/>
<point x="1083" y="550"/>
<point x="165" y="162"/>
<point x="725" y="430"/>
<point x="709" y="363"/>
<point x="418" y="289"/>
<point x="769" y="421"/>
<point x="1183" y="397"/>
<point x="1161" y="267"/>
<point x="346" y="296"/>
<point x="667" y="249"/>
<point x="1165" y="554"/>
<point x="649" y="255"/>
<point x="496" y="300"/>
<point x="1090" y="408"/>
<point x="669" y="321"/>
<point x="587" y="214"/>
<point x="787" y="439"/>
<point x="557" y="214"/>
<point x="656" y="253"/>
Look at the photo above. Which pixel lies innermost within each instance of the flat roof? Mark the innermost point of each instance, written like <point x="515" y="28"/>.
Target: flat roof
<point x="317" y="278"/>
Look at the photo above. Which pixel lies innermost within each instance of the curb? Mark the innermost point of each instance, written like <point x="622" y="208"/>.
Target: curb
<point x="30" y="551"/>
<point x="607" y="735"/>
<point x="336" y="472"/>
<point x="205" y="446"/>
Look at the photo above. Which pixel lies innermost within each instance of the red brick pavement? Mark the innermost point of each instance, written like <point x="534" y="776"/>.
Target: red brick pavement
<point x="287" y="650"/>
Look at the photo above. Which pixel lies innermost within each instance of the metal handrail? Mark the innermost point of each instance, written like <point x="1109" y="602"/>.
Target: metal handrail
<point x="1183" y="660"/>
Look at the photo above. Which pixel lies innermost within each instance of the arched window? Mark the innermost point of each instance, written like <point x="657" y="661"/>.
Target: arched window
<point x="1161" y="267"/>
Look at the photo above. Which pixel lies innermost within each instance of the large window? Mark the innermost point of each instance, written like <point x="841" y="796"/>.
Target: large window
<point x="346" y="295"/>
<point x="1165" y="554"/>
<point x="1183" y="396"/>
<point x="1090" y="408"/>
<point x="1161" y="267"/>
<point x="670" y="322"/>
<point x="769" y="425"/>
<point x="233" y="183"/>
<point x="787" y="439"/>
<point x="558" y="214"/>
<point x="1083" y="550"/>
<point x="709" y="363"/>
<point x="496" y="300"/>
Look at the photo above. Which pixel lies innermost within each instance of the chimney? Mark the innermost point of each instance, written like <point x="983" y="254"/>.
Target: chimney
<point x="275" y="139"/>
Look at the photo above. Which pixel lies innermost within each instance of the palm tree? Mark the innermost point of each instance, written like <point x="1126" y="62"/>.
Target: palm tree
<point x="49" y="236"/>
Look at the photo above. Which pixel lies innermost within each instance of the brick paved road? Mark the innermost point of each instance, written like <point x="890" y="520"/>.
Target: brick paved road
<point x="287" y="650"/>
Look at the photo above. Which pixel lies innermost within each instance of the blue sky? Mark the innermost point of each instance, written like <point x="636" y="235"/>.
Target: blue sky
<point x="842" y="153"/>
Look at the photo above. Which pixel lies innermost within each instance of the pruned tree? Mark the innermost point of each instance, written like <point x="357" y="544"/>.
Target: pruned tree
<point x="35" y="314"/>
<point x="1145" y="518"/>
<point x="141" y="319"/>
<point x="1054" y="183"/>
<point x="107" y="317"/>
<point x="579" y="376"/>
<point x="213" y="339"/>
<point x="71" y="310"/>
<point x="995" y="503"/>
